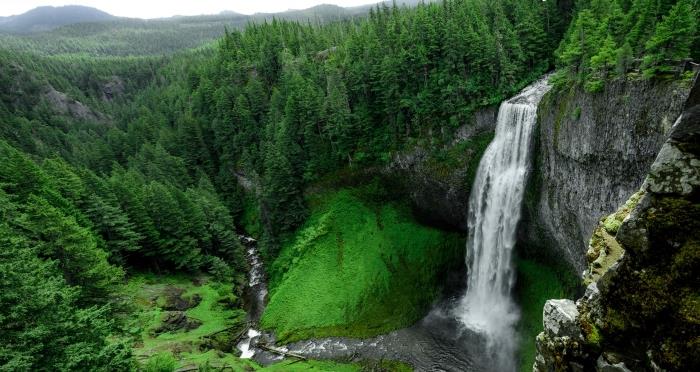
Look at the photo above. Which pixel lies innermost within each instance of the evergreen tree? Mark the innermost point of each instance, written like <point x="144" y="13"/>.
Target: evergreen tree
<point x="672" y="39"/>
<point x="41" y="323"/>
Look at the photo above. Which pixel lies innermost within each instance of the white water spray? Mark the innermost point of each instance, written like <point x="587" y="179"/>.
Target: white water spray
<point x="494" y="212"/>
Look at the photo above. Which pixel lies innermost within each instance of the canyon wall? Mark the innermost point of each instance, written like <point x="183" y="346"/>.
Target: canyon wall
<point x="641" y="309"/>
<point x="592" y="152"/>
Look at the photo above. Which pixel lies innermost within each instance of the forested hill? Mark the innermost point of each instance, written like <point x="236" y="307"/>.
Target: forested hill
<point x="75" y="30"/>
<point x="132" y="162"/>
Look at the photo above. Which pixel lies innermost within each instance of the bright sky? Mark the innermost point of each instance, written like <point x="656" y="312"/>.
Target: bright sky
<point x="167" y="8"/>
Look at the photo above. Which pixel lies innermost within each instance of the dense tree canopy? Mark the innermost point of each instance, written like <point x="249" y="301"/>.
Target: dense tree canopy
<point x="609" y="38"/>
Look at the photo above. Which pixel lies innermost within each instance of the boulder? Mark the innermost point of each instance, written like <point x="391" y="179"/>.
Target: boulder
<point x="560" y="319"/>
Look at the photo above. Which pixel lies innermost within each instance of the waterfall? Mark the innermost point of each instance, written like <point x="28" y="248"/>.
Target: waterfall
<point x="494" y="212"/>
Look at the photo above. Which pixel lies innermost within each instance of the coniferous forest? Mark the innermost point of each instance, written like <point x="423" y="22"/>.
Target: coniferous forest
<point x="136" y="166"/>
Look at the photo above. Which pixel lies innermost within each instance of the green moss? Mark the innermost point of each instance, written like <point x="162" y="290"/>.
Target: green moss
<point x="615" y="322"/>
<point x="612" y="224"/>
<point x="357" y="268"/>
<point x="591" y="333"/>
<point x="689" y="310"/>
<point x="181" y="349"/>
<point x="687" y="258"/>
<point x="562" y="100"/>
<point x="536" y="284"/>
<point x="577" y="113"/>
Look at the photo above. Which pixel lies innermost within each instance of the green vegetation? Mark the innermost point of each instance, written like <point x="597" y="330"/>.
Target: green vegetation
<point x="150" y="294"/>
<point x="609" y="38"/>
<point x="122" y="153"/>
<point x="351" y="252"/>
<point x="536" y="284"/>
<point x="148" y="297"/>
<point x="100" y="36"/>
<point x="306" y="101"/>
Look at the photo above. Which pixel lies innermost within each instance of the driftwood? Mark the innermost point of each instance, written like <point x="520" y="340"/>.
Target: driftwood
<point x="279" y="351"/>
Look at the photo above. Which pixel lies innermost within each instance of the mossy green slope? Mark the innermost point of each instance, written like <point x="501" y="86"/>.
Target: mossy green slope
<point x="356" y="268"/>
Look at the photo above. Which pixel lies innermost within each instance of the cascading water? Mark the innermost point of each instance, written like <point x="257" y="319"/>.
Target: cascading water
<point x="494" y="212"/>
<point x="257" y="289"/>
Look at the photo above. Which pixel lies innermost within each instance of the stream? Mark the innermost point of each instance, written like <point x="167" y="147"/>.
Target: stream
<point x="429" y="345"/>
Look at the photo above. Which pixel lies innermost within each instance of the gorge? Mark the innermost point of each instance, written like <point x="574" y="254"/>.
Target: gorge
<point x="458" y="185"/>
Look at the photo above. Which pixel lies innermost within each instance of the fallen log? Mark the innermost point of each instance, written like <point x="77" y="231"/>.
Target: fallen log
<point x="279" y="351"/>
<point x="240" y="334"/>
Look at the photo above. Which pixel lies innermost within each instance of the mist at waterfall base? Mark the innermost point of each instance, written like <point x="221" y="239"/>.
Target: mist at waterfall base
<point x="495" y="205"/>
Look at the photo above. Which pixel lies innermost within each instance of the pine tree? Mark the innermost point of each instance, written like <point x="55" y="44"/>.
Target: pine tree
<point x="336" y="111"/>
<point x="75" y="249"/>
<point x="672" y="39"/>
<point x="601" y="64"/>
<point x="42" y="324"/>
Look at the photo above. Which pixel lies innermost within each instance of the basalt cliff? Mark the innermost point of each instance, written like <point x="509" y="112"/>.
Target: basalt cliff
<point x="641" y="308"/>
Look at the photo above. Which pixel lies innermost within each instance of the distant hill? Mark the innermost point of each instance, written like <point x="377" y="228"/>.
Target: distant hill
<point x="322" y="13"/>
<point x="71" y="30"/>
<point x="48" y="17"/>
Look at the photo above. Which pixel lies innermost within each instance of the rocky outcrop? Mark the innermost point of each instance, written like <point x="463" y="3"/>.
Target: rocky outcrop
<point x="175" y="321"/>
<point x="113" y="88"/>
<point x="68" y="106"/>
<point x="593" y="151"/>
<point x="438" y="182"/>
<point x="641" y="309"/>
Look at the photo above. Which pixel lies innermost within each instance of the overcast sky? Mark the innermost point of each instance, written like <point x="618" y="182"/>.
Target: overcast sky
<point x="167" y="8"/>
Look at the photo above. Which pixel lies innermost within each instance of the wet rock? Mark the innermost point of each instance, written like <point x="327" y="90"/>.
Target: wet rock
<point x="603" y="365"/>
<point x="640" y="314"/>
<point x="438" y="190"/>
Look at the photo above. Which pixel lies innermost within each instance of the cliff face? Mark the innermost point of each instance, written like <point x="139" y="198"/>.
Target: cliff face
<point x="438" y="182"/>
<point x="593" y="151"/>
<point x="641" y="309"/>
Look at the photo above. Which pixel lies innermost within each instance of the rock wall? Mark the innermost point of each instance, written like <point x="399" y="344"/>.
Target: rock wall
<point x="641" y="309"/>
<point x="438" y="182"/>
<point x="593" y="151"/>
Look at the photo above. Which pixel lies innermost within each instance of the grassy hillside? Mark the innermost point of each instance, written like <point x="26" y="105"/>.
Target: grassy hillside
<point x="356" y="268"/>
